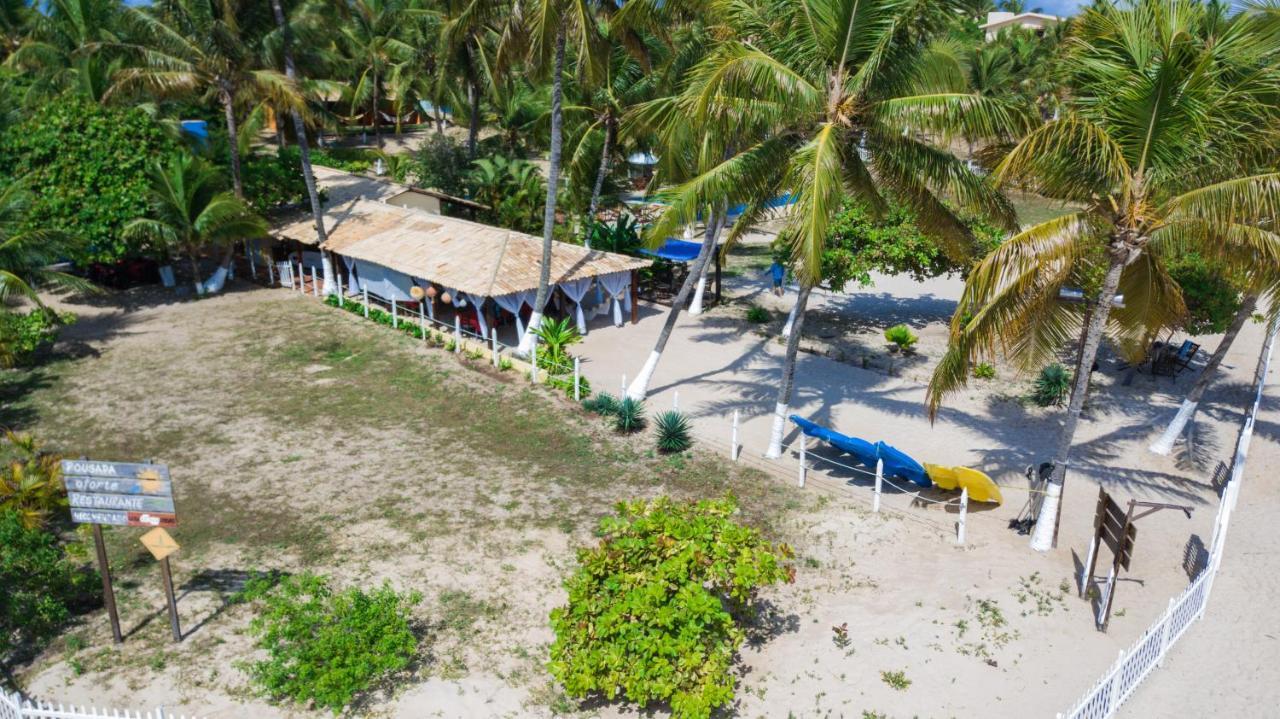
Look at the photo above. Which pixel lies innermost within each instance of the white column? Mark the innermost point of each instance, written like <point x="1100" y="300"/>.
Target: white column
<point x="964" y="512"/>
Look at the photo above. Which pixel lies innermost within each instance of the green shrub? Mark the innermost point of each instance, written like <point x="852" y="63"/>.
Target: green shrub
<point x="652" y="609"/>
<point x="1051" y="386"/>
<point x="328" y="647"/>
<point x="984" y="370"/>
<point x="504" y="364"/>
<point x="902" y="337"/>
<point x="441" y="163"/>
<point x="23" y="334"/>
<point x="629" y="416"/>
<point x="673" y="431"/>
<point x="603" y="404"/>
<point x="42" y="587"/>
<point x="758" y="314"/>
<point x="30" y="481"/>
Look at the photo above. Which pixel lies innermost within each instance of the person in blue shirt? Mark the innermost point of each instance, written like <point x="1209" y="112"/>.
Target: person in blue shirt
<point x="778" y="273"/>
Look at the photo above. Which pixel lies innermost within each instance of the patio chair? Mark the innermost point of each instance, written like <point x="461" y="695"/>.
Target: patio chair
<point x="1186" y="353"/>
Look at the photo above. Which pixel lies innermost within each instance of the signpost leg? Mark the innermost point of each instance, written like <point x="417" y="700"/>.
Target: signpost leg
<point x="108" y="594"/>
<point x="173" y="601"/>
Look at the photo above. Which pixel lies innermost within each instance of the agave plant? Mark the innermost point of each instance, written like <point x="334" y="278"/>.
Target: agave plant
<point x="673" y="432"/>
<point x="602" y="404"/>
<point x="629" y="416"/>
<point x="1051" y="386"/>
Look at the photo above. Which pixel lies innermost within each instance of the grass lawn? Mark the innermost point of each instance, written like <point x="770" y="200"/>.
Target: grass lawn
<point x="303" y="438"/>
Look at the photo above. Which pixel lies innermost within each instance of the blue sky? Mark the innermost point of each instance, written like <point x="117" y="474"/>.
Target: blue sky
<point x="1057" y="7"/>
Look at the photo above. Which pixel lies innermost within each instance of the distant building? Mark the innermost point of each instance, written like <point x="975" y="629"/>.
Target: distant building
<point x="1037" y="22"/>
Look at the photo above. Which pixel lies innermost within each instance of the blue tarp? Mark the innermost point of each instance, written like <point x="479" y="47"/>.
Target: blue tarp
<point x="675" y="250"/>
<point x="780" y="201"/>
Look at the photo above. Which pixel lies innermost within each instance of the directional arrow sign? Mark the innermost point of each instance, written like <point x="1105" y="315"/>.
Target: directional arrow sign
<point x="159" y="543"/>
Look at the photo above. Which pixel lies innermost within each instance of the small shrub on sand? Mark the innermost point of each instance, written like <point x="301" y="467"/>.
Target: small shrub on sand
<point x="902" y="337"/>
<point x="1051" y="386"/>
<point x="673" y="432"/>
<point x="758" y="315"/>
<point x="629" y="416"/>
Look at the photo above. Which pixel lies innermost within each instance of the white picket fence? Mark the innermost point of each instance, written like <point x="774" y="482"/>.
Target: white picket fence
<point x="1133" y="665"/>
<point x="13" y="706"/>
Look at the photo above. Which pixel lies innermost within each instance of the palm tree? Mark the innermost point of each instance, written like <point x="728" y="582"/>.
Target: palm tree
<point x="198" y="48"/>
<point x="304" y="147"/>
<point x="549" y="23"/>
<point x="828" y="99"/>
<point x="372" y="39"/>
<point x="1152" y="96"/>
<point x="192" y="212"/>
<point x="465" y="30"/>
<point x="68" y="47"/>
<point x="27" y="256"/>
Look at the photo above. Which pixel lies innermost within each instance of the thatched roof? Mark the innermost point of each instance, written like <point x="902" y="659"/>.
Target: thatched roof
<point x="477" y="259"/>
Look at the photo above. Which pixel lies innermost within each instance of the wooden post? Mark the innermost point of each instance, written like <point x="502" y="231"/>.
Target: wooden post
<point x="875" y="498"/>
<point x="1086" y="576"/>
<point x="365" y="291"/>
<point x="801" y="469"/>
<point x="733" y="438"/>
<point x="167" y="576"/>
<point x="395" y="316"/>
<point x="635" y="296"/>
<point x="457" y="333"/>
<point x="964" y="512"/>
<point x="108" y="594"/>
<point x="577" y="379"/>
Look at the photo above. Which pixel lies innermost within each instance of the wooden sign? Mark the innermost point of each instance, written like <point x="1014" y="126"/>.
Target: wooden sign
<point x="153" y="487"/>
<point x="118" y="518"/>
<point x="159" y="543"/>
<point x="113" y="470"/>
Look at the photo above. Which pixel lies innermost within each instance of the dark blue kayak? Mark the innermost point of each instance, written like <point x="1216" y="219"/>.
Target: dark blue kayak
<point x="898" y="464"/>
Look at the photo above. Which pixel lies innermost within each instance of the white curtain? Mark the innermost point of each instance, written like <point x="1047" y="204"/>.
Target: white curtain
<point x="618" y="287"/>
<point x="576" y="290"/>
<point x="385" y="282"/>
<point x="478" y="303"/>
<point x="512" y="304"/>
<point x="353" y="285"/>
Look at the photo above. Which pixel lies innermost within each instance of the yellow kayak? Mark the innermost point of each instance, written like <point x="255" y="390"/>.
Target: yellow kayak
<point x="980" y="486"/>
<point x="943" y="477"/>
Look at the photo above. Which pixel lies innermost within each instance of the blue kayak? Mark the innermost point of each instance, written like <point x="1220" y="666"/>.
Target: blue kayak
<point x="898" y="464"/>
<point x="862" y="450"/>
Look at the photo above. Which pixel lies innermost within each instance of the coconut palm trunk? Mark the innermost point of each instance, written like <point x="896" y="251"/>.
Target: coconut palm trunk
<point x="377" y="130"/>
<point x="553" y="180"/>
<point x="304" y="150"/>
<point x="783" y="406"/>
<point x="233" y="147"/>
<point x="1046" y="530"/>
<point x="699" y="291"/>
<point x="609" y="132"/>
<point x="1187" y="411"/>
<point x="473" y="113"/>
<point x="640" y="385"/>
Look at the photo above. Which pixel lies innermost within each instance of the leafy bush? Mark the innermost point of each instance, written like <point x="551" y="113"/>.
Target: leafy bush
<point x="1209" y="291"/>
<point x="603" y="404"/>
<point x="901" y="336"/>
<point x="652" y="609"/>
<point x="86" y="166"/>
<point x="273" y="180"/>
<point x="42" y="587"/>
<point x="441" y="163"/>
<point x="30" y="481"/>
<point x="513" y="189"/>
<point x="629" y="416"/>
<point x="673" y="431"/>
<point x="758" y="314"/>
<point x="328" y="647"/>
<point x="1051" y="386"/>
<point x="22" y="335"/>
<point x="984" y="370"/>
<point x="622" y="236"/>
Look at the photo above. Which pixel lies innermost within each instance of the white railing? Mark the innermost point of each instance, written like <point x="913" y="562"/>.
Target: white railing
<point x="13" y="706"/>
<point x="1133" y="665"/>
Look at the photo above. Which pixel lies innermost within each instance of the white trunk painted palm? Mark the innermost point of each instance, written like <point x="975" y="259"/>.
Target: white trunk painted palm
<point x="216" y="281"/>
<point x="1046" y="523"/>
<point x="639" y="387"/>
<point x="330" y="284"/>
<point x="528" y="338"/>
<point x="791" y="320"/>
<point x="695" y="307"/>
<point x="1164" y="445"/>
<point x="782" y="408"/>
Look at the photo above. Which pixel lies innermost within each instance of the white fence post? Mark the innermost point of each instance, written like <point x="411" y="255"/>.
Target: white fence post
<point x="577" y="379"/>
<point x="457" y="333"/>
<point x="623" y="395"/>
<point x="422" y="319"/>
<point x="533" y="359"/>
<point x="315" y="287"/>
<point x="964" y="511"/>
<point x="801" y="468"/>
<point x="875" y="499"/>
<point x="395" y="316"/>
<point x="302" y="279"/>
<point x="733" y="438"/>
<point x="1113" y="691"/>
<point x="494" y="334"/>
<point x="271" y="273"/>
<point x="1164" y="633"/>
<point x="675" y="401"/>
<point x="338" y="278"/>
<point x="365" y="291"/>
